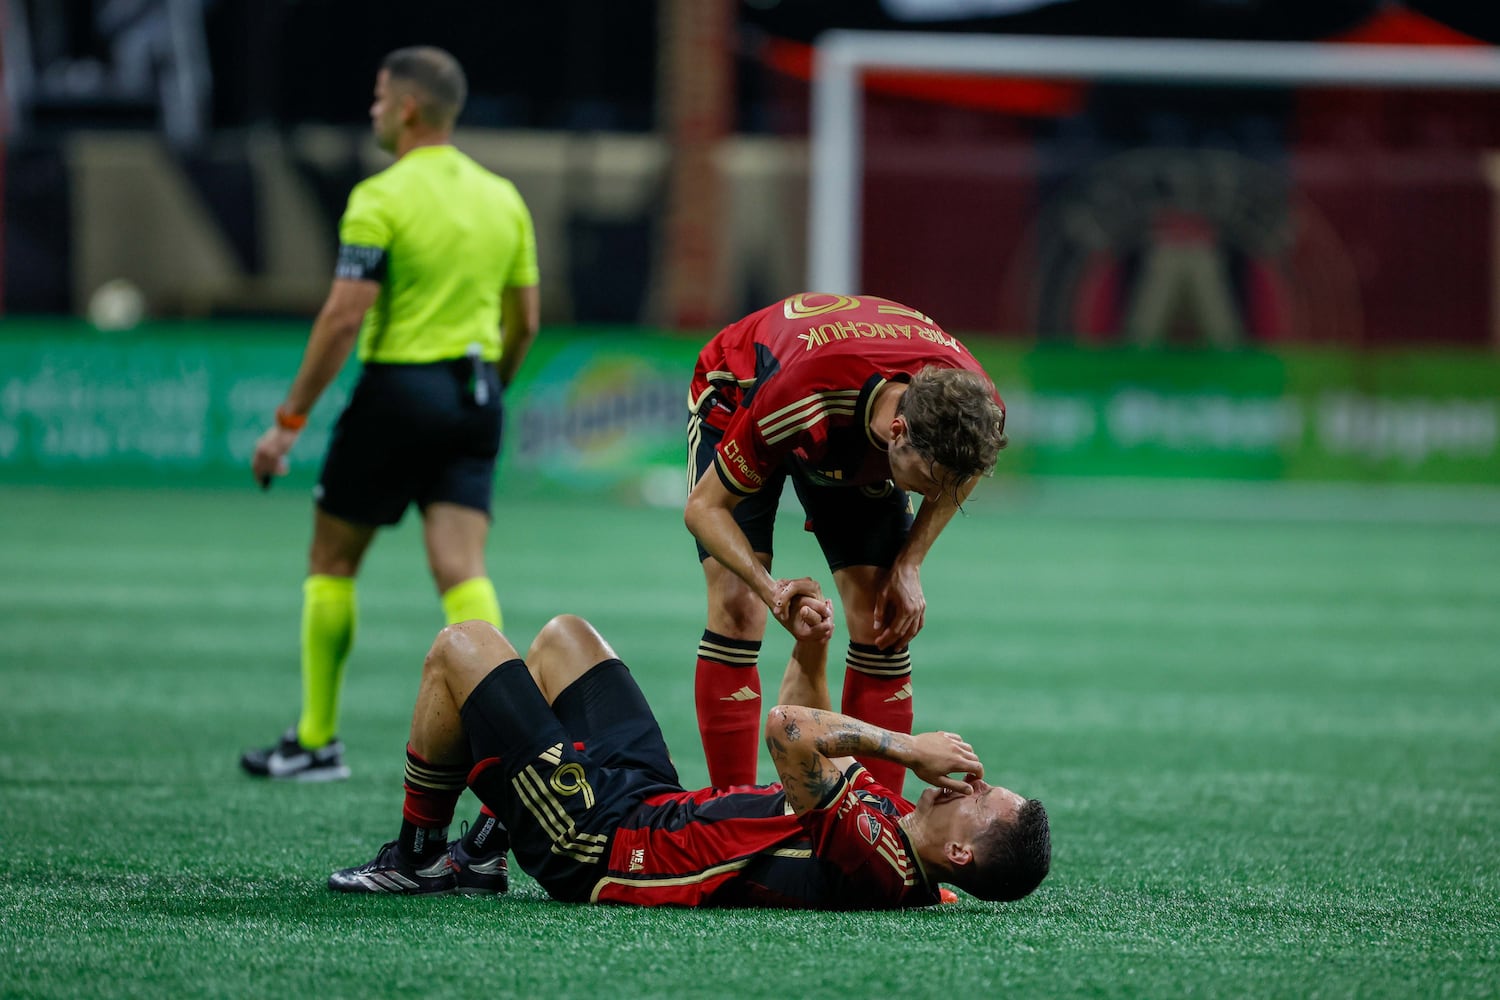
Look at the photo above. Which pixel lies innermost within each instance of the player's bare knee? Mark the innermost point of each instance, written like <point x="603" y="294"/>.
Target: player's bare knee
<point x="741" y="615"/>
<point x="563" y="633"/>
<point x="565" y="649"/>
<point x="468" y="644"/>
<point x="556" y="629"/>
<point x="439" y="651"/>
<point x="858" y="585"/>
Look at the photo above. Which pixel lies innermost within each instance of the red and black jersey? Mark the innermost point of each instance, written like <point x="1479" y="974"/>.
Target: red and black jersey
<point x="795" y="382"/>
<point x="742" y="846"/>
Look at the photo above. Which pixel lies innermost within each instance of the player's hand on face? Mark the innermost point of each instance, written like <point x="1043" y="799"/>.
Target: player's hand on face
<point x="937" y="757"/>
<point x="900" y="608"/>
<point x="802" y="610"/>
<point x="270" y="454"/>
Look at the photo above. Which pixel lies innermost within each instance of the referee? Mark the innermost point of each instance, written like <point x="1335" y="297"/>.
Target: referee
<point x="433" y="252"/>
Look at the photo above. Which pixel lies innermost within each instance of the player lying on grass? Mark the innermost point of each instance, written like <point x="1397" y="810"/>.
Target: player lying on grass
<point x="564" y="750"/>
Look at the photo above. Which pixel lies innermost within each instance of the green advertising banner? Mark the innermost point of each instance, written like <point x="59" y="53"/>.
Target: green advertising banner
<point x="1378" y="417"/>
<point x="594" y="410"/>
<point x="160" y="404"/>
<point x="602" y="410"/>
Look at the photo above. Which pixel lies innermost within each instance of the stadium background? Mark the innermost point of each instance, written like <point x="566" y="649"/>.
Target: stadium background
<point x="1234" y="582"/>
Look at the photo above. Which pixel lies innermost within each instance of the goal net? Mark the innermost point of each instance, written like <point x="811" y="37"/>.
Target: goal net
<point x="1162" y="193"/>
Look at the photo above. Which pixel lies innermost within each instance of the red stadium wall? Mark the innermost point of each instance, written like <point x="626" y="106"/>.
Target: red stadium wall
<point x="1366" y="220"/>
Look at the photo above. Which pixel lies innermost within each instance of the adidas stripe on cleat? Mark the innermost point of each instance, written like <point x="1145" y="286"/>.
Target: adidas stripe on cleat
<point x="391" y="873"/>
<point x="289" y="760"/>
<point x="479" y="875"/>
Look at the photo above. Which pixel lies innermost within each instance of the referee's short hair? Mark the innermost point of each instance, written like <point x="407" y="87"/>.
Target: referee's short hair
<point x="437" y="78"/>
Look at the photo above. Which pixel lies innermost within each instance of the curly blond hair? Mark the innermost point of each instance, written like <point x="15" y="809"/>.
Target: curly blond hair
<point x="952" y="420"/>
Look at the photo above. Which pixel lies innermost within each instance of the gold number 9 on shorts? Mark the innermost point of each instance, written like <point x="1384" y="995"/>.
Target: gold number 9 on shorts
<point x="569" y="780"/>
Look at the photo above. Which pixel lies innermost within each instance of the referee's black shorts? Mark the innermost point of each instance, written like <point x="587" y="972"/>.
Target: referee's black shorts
<point x="413" y="434"/>
<point x="562" y="778"/>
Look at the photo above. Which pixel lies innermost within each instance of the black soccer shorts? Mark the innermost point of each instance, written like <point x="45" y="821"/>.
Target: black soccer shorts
<point x="854" y="525"/>
<point x="413" y="434"/>
<point x="563" y="777"/>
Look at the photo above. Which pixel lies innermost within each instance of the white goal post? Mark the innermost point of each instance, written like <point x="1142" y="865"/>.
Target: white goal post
<point x="833" y="231"/>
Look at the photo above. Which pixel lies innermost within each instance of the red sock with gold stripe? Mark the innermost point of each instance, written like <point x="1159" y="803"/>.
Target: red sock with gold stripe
<point x="877" y="690"/>
<point x="727" y="692"/>
<point x="432" y="792"/>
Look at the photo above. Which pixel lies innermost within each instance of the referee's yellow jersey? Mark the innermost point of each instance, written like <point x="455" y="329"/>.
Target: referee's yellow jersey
<point x="445" y="236"/>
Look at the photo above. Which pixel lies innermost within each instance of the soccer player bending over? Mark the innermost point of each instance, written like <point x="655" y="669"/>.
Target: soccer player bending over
<point x="565" y="752"/>
<point x="864" y="404"/>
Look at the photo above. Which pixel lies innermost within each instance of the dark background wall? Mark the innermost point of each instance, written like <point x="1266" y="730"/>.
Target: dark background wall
<point x="1373" y="209"/>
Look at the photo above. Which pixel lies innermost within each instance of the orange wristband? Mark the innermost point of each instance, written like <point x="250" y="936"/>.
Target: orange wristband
<point x="290" y="421"/>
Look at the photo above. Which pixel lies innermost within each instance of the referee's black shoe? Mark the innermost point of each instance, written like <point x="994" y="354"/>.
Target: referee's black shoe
<point x="392" y="873"/>
<point x="289" y="760"/>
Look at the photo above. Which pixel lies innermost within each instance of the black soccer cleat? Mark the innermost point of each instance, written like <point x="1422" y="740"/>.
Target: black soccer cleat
<point x="391" y="873"/>
<point x="289" y="760"/>
<point x="479" y="875"/>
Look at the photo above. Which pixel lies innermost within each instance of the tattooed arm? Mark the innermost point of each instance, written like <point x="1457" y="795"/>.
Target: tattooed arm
<point x="812" y="748"/>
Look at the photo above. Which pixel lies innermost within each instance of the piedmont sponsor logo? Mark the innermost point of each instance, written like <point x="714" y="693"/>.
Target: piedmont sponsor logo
<point x="731" y="453"/>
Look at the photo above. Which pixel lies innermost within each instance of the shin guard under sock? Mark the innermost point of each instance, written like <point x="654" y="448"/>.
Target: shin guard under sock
<point x="474" y="598"/>
<point x="726" y="690"/>
<point x="329" y="615"/>
<point x="432" y="792"/>
<point x="877" y="690"/>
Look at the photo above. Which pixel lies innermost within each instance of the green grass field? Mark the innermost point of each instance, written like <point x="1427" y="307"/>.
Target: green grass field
<point x="1265" y="722"/>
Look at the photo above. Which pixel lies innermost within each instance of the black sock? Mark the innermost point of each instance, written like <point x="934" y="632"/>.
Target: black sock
<point x="420" y="843"/>
<point x="486" y="836"/>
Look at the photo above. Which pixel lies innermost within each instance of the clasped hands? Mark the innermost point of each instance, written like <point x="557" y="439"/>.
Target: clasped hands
<point x="801" y="608"/>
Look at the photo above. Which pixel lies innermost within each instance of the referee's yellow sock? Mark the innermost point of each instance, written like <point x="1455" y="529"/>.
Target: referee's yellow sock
<point x="474" y="598"/>
<point x="329" y="614"/>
